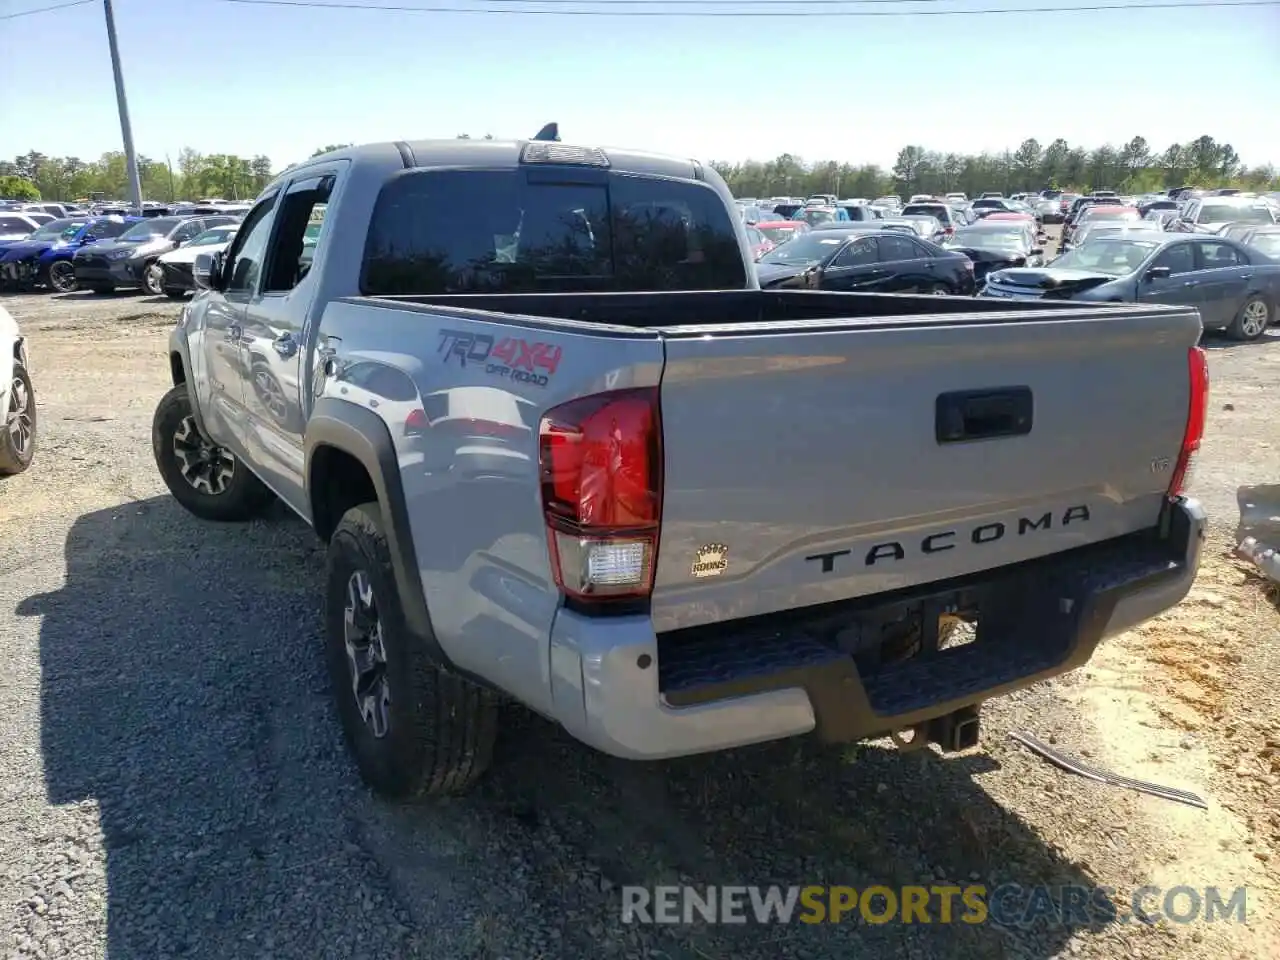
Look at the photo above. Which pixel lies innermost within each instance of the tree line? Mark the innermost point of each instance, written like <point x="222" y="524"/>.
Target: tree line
<point x="1133" y="167"/>
<point x="37" y="176"/>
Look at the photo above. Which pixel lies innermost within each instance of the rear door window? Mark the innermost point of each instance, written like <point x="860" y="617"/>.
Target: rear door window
<point x="485" y="231"/>
<point x="894" y="249"/>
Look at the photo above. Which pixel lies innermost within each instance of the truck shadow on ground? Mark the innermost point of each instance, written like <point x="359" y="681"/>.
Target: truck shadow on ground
<point x="184" y="692"/>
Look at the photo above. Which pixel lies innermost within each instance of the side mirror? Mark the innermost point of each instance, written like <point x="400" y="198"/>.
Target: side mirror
<point x="206" y="271"/>
<point x="1159" y="273"/>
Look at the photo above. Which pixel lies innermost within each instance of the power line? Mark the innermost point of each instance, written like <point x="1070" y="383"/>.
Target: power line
<point x="56" y="6"/>
<point x="525" y="11"/>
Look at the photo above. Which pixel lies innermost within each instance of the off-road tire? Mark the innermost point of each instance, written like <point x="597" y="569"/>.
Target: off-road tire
<point x="442" y="727"/>
<point x="1237" y="329"/>
<point x="244" y="497"/>
<point x="13" y="460"/>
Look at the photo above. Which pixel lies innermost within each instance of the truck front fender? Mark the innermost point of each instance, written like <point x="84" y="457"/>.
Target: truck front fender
<point x="339" y="426"/>
<point x="182" y="372"/>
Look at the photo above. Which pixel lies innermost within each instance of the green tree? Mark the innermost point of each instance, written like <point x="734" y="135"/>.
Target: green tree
<point x="13" y="187"/>
<point x="907" y="168"/>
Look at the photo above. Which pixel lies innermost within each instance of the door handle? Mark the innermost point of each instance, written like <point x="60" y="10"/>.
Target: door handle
<point x="285" y="345"/>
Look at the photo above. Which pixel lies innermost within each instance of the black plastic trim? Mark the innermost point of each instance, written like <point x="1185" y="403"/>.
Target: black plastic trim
<point x="406" y="154"/>
<point x="849" y="706"/>
<point x="362" y="434"/>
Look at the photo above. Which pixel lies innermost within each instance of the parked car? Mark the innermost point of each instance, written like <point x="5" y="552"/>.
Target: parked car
<point x="1236" y="289"/>
<point x="1050" y="210"/>
<point x="1098" y="213"/>
<point x="995" y="246"/>
<point x="865" y="260"/>
<point x="1209" y="214"/>
<point x="859" y="212"/>
<point x="1077" y="210"/>
<point x="758" y="242"/>
<point x="16" y="226"/>
<point x="815" y="215"/>
<point x="1264" y="239"/>
<point x="824" y="472"/>
<point x="17" y="400"/>
<point x="942" y="212"/>
<point x="44" y="258"/>
<point x="780" y="231"/>
<point x="927" y="226"/>
<point x="175" y="266"/>
<point x="130" y="259"/>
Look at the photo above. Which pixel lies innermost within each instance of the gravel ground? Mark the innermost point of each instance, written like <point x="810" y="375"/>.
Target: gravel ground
<point x="172" y="781"/>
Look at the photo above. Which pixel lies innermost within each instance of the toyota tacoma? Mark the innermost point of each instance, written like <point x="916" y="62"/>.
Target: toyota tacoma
<point x="565" y="451"/>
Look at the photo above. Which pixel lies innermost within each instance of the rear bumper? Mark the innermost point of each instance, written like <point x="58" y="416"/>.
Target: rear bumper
<point x="628" y="692"/>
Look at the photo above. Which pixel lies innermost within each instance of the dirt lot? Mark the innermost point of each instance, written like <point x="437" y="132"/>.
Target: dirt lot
<point x="172" y="781"/>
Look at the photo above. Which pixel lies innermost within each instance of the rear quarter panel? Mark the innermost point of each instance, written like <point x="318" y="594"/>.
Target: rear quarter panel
<point x="475" y="507"/>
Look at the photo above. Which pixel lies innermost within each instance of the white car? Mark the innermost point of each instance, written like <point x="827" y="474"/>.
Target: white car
<point x="17" y="400"/>
<point x="16" y="226"/>
<point x="174" y="267"/>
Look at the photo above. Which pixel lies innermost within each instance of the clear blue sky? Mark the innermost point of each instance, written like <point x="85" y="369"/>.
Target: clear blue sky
<point x="222" y="77"/>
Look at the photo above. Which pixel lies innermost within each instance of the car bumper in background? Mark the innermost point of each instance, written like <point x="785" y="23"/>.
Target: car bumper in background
<point x="628" y="692"/>
<point x="118" y="273"/>
<point x="177" y="276"/>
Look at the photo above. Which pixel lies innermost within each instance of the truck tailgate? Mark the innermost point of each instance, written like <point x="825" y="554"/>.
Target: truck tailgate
<point x="821" y="461"/>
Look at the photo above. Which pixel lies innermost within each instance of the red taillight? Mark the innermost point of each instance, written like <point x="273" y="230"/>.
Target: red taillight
<point x="601" y="465"/>
<point x="949" y="231"/>
<point x="1198" y="408"/>
<point x="416" y="421"/>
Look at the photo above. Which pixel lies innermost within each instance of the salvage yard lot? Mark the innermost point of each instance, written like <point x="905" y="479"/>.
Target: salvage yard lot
<point x="173" y="783"/>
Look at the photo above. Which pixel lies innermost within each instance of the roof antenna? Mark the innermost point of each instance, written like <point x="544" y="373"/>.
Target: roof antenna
<point x="550" y="132"/>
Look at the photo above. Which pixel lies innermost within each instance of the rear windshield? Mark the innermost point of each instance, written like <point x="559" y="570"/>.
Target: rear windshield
<point x="1222" y="213"/>
<point x="504" y="234"/>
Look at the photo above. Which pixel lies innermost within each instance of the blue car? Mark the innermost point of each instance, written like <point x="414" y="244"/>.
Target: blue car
<point x="44" y="258"/>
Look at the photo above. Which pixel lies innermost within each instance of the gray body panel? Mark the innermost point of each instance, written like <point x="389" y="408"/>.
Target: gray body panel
<point x="824" y="440"/>
<point x="781" y="440"/>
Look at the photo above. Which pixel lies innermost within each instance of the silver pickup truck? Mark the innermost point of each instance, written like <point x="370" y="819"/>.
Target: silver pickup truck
<point x="564" y="451"/>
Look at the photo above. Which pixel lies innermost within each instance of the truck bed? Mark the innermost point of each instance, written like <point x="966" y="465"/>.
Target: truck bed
<point x="826" y="446"/>
<point x="705" y="308"/>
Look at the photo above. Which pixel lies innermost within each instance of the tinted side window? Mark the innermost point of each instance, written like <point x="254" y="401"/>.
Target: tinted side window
<point x="1217" y="256"/>
<point x="1179" y="258"/>
<point x="898" y="248"/>
<point x="858" y="253"/>
<point x="105" y="229"/>
<point x="244" y="259"/>
<point x="512" y="236"/>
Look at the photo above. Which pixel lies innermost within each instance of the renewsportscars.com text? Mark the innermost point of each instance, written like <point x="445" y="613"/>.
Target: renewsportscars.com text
<point x="1005" y="905"/>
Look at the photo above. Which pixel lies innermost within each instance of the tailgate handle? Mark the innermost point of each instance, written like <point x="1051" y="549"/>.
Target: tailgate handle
<point x="984" y="414"/>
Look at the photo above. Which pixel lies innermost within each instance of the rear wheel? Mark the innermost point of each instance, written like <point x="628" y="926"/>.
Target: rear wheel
<point x="18" y="434"/>
<point x="203" y="477"/>
<point x="415" y="731"/>
<point x="62" y="276"/>
<point x="1252" y="320"/>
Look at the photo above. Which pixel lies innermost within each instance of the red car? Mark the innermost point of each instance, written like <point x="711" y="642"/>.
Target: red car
<point x="760" y="243"/>
<point x="780" y="231"/>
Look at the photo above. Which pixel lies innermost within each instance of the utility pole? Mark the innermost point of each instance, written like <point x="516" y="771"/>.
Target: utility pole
<point x="130" y="158"/>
